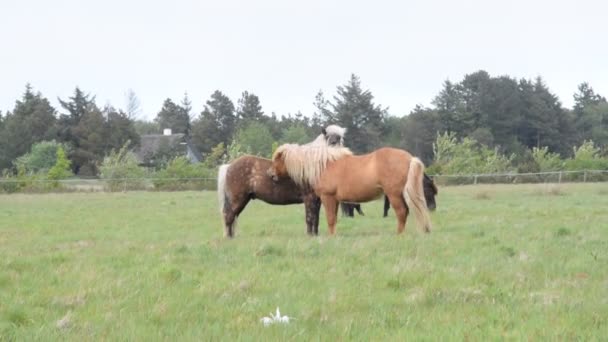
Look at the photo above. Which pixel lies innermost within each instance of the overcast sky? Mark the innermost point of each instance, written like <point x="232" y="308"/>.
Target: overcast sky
<point x="286" y="51"/>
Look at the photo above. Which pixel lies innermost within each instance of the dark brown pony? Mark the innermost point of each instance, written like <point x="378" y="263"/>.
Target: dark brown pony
<point x="246" y="178"/>
<point x="430" y="191"/>
<point x="348" y="209"/>
<point x="336" y="175"/>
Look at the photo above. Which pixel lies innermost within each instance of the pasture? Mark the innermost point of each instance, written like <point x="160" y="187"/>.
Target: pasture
<point x="502" y="261"/>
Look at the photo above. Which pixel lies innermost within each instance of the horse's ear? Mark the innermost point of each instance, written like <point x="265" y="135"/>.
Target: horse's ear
<point x="278" y="156"/>
<point x="323" y="131"/>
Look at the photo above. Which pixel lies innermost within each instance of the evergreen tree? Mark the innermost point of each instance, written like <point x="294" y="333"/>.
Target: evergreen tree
<point x="77" y="107"/>
<point x="120" y="129"/>
<point x="450" y="106"/>
<point x="473" y="89"/>
<point x="590" y="115"/>
<point x="585" y="97"/>
<point x="249" y="108"/>
<point x="502" y="107"/>
<point x="174" y="117"/>
<point x="90" y="143"/>
<point x="420" y="128"/>
<point x="32" y="120"/>
<point x="215" y="124"/>
<point x="186" y="106"/>
<point x="354" y="109"/>
<point x="322" y="114"/>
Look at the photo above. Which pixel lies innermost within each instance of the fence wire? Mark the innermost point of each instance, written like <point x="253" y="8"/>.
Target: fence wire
<point x="32" y="184"/>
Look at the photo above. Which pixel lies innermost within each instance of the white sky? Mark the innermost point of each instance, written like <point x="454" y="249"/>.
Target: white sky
<point x="285" y="51"/>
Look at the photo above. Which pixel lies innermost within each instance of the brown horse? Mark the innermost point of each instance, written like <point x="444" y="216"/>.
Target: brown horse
<point x="430" y="191"/>
<point x="337" y="175"/>
<point x="246" y="178"/>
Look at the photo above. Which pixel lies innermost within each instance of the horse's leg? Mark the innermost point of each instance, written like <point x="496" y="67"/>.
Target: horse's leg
<point x="359" y="210"/>
<point x="308" y="209"/>
<point x="331" y="211"/>
<point x="312" y="205"/>
<point x="236" y="207"/>
<point x="387" y="206"/>
<point x="316" y="210"/>
<point x="401" y="211"/>
<point x="229" y="218"/>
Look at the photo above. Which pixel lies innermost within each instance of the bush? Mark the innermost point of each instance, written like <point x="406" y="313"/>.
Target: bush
<point x="586" y="157"/>
<point x="121" y="171"/>
<point x="41" y="158"/>
<point x="26" y="182"/>
<point x="61" y="169"/>
<point x="180" y="174"/>
<point x="467" y="157"/>
<point x="547" y="161"/>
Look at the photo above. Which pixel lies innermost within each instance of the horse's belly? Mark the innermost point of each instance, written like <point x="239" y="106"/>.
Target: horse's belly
<point x="359" y="195"/>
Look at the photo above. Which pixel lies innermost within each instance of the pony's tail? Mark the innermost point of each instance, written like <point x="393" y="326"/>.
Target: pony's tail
<point x="221" y="189"/>
<point x="414" y="194"/>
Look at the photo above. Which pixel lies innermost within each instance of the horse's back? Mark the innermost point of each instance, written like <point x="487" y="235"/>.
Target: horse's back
<point x="248" y="175"/>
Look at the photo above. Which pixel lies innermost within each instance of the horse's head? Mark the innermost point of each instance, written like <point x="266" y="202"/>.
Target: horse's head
<point x="334" y="135"/>
<point x="278" y="169"/>
<point x="430" y="191"/>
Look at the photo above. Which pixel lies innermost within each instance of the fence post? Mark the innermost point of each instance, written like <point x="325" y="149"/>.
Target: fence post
<point x="585" y="177"/>
<point x="475" y="180"/>
<point x="560" y="178"/>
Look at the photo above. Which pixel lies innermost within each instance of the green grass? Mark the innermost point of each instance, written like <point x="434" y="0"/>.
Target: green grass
<point x="502" y="262"/>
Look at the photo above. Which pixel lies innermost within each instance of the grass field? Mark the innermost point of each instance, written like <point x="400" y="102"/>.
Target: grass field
<point x="503" y="261"/>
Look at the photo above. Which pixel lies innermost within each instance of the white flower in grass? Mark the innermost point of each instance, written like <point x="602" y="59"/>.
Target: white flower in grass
<point x="277" y="318"/>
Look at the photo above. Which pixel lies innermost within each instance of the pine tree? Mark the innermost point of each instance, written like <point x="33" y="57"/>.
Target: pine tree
<point x="120" y="129"/>
<point x="354" y="109"/>
<point x="215" y="124"/>
<point x="77" y="107"/>
<point x="174" y="117"/>
<point x="90" y="143"/>
<point x="249" y="108"/>
<point x="32" y="120"/>
<point x="590" y="115"/>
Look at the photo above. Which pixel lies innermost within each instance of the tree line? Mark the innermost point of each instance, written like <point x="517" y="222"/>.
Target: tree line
<point x="510" y="116"/>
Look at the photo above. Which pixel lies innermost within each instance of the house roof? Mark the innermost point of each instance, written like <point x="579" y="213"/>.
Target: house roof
<point x="150" y="143"/>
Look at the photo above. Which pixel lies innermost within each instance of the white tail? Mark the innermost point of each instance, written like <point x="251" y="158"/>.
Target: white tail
<point x="413" y="192"/>
<point x="221" y="188"/>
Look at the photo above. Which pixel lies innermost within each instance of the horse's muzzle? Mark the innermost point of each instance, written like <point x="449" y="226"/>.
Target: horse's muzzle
<point x="272" y="176"/>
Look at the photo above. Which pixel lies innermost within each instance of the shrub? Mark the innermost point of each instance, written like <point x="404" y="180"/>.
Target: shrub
<point x="547" y="161"/>
<point x="467" y="157"/>
<point x="121" y="171"/>
<point x="180" y="174"/>
<point x="61" y="169"/>
<point x="41" y="158"/>
<point x="586" y="157"/>
<point x="25" y="182"/>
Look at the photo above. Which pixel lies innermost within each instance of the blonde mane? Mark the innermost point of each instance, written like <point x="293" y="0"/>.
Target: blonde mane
<point x="306" y="163"/>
